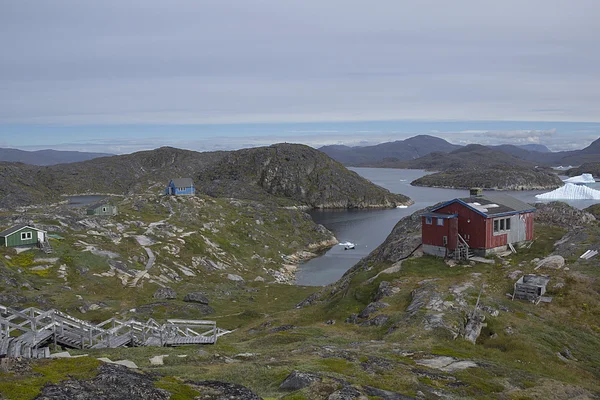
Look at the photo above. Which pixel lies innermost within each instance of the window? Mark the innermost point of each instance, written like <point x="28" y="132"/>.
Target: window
<point x="440" y="222"/>
<point x="103" y="209"/>
<point x="428" y="220"/>
<point x="501" y="225"/>
<point x="25" y="235"/>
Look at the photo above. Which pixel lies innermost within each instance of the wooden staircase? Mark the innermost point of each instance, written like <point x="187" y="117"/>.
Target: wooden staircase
<point x="45" y="246"/>
<point x="462" y="251"/>
<point x="28" y="333"/>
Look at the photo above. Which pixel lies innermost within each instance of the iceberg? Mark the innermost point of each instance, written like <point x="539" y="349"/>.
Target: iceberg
<point x="571" y="191"/>
<point x="585" y="178"/>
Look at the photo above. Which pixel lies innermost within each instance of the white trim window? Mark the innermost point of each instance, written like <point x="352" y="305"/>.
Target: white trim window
<point x="26" y="236"/>
<point x="440" y="221"/>
<point x="104" y="209"/>
<point x="501" y="225"/>
<point x="429" y="220"/>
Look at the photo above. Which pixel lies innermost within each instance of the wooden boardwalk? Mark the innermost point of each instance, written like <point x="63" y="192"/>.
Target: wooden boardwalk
<point x="28" y="333"/>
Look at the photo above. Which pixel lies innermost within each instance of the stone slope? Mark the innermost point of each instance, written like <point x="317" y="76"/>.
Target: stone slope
<point x="295" y="172"/>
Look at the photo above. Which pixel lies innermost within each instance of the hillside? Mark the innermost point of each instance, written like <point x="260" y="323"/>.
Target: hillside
<point x="586" y="168"/>
<point x="46" y="157"/>
<point x="395" y="154"/>
<point x="295" y="172"/>
<point x="400" y="150"/>
<point x="149" y="171"/>
<point x="500" y="177"/>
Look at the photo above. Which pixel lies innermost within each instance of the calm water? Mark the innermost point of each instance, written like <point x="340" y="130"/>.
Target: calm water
<point x="369" y="228"/>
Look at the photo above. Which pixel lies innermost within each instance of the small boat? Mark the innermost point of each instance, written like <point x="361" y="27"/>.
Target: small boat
<point x="349" y="246"/>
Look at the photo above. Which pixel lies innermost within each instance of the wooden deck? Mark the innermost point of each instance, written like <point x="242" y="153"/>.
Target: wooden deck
<point x="28" y="333"/>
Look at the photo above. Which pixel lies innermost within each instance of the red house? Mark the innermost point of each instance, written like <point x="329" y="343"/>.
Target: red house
<point x="477" y="225"/>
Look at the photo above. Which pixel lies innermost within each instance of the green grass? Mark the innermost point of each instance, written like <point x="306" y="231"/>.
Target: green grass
<point x="27" y="386"/>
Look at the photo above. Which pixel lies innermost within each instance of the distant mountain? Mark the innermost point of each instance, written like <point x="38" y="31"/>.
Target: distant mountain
<point x="47" y="157"/>
<point x="400" y="150"/>
<point x="471" y="156"/>
<point x="290" y="174"/>
<point x="535" y="147"/>
<point x="481" y="166"/>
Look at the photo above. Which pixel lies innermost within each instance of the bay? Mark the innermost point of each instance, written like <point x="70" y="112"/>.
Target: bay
<point x="367" y="229"/>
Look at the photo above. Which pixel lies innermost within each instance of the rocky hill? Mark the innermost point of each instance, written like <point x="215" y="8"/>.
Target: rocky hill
<point x="320" y="181"/>
<point x="297" y="172"/>
<point x="586" y="168"/>
<point x="498" y="178"/>
<point x="399" y="150"/>
<point x="47" y="157"/>
<point x="481" y="166"/>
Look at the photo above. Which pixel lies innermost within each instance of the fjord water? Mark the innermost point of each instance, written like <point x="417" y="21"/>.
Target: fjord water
<point x="369" y="228"/>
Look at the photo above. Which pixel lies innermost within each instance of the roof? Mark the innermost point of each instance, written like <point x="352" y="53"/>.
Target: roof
<point x="183" y="182"/>
<point x="14" y="229"/>
<point x="534" y="280"/>
<point x="439" y="215"/>
<point x="493" y="205"/>
<point x="99" y="204"/>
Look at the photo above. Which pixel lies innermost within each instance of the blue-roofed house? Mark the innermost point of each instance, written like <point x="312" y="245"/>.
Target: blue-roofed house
<point x="181" y="186"/>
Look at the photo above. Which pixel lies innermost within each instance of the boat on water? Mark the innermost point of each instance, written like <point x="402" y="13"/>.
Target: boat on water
<point x="349" y="246"/>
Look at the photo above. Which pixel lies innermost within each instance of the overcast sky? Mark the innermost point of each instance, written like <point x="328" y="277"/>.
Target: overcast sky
<point x="125" y="75"/>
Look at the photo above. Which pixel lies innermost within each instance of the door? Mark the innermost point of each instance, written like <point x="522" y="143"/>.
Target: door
<point x="40" y="236"/>
<point x="452" y="233"/>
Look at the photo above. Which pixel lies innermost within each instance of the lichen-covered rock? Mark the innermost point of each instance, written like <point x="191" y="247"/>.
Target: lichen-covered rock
<point x="386" y="289"/>
<point x="551" y="262"/>
<point x="196" y="297"/>
<point x="113" y="382"/>
<point x="215" y="390"/>
<point x="166" y="293"/>
<point x="558" y="213"/>
<point x="377" y="321"/>
<point x="298" y="380"/>
<point x="372" y="308"/>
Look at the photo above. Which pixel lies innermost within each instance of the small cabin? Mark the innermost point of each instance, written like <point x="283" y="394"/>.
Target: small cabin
<point x="530" y="287"/>
<point x="181" y="186"/>
<point x="476" y="225"/>
<point x="102" y="208"/>
<point x="23" y="235"/>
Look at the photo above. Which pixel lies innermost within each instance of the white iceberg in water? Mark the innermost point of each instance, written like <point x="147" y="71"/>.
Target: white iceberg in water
<point x="585" y="178"/>
<point x="571" y="192"/>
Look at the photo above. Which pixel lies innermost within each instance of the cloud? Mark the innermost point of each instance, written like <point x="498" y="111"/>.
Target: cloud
<point x="204" y="62"/>
<point x="520" y="134"/>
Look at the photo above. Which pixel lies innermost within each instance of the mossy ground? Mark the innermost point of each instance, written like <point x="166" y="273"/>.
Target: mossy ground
<point x="520" y="364"/>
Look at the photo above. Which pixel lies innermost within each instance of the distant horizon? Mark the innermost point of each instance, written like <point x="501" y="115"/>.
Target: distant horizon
<point x="126" y="139"/>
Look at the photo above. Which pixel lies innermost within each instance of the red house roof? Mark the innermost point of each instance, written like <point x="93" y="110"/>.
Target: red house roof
<point x="496" y="205"/>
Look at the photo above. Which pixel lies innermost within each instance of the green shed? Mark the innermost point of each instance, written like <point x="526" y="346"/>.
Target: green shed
<point x="102" y="208"/>
<point x="22" y="235"/>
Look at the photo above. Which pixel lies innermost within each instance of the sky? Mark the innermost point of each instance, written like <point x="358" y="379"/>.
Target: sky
<point x="118" y="77"/>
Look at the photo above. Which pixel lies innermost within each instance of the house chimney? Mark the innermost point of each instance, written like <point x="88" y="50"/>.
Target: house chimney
<point x="476" y="192"/>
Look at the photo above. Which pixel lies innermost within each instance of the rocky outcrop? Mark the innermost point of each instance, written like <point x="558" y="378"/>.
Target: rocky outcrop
<point x="112" y="382"/>
<point x="196" y="297"/>
<point x="505" y="178"/>
<point x="558" y="213"/>
<point x="551" y="262"/>
<point x="296" y="172"/>
<point x="165" y="294"/>
<point x="298" y="380"/>
<point x="216" y="390"/>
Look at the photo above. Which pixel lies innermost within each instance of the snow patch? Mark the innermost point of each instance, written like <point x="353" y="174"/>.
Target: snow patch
<point x="571" y="192"/>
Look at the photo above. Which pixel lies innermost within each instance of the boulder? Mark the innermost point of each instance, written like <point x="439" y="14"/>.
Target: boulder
<point x="112" y="382"/>
<point x="551" y="262"/>
<point x="346" y="393"/>
<point x="298" y="380"/>
<point x="377" y="321"/>
<point x="372" y="308"/>
<point x="196" y="297"/>
<point x="215" y="390"/>
<point x="166" y="293"/>
<point x="386" y="289"/>
<point x="235" y="278"/>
